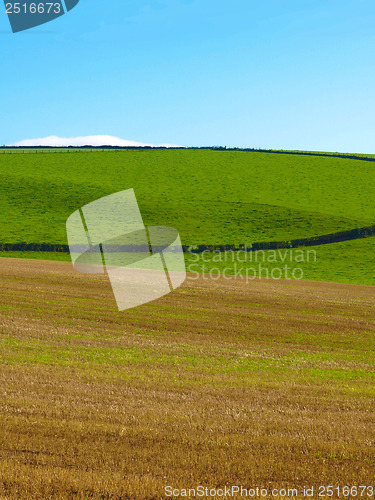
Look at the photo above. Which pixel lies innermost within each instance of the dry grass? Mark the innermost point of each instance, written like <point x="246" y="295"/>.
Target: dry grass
<point x="267" y="384"/>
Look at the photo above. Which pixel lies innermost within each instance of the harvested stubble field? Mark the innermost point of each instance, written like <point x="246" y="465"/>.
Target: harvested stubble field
<point x="220" y="383"/>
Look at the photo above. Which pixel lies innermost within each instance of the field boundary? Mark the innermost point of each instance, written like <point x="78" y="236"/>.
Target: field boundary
<point x="104" y="148"/>
<point x="353" y="234"/>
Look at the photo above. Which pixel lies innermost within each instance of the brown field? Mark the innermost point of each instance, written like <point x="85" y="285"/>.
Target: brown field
<point x="267" y="384"/>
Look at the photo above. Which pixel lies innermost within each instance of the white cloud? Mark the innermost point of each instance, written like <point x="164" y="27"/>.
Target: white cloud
<point x="91" y="140"/>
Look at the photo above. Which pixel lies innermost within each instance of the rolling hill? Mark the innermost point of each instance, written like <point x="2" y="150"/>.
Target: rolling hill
<point x="213" y="197"/>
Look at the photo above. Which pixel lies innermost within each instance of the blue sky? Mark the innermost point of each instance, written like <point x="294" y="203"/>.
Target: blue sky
<point x="294" y="74"/>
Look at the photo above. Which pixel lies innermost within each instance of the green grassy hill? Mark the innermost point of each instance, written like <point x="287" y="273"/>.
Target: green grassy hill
<point x="211" y="197"/>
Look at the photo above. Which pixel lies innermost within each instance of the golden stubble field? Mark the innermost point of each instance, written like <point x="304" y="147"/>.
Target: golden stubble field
<point x="221" y="383"/>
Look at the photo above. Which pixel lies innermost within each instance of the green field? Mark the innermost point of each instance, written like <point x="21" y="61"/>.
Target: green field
<point x="347" y="262"/>
<point x="211" y="197"/>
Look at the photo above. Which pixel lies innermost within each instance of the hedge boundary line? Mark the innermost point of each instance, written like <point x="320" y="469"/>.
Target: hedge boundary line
<point x="353" y="234"/>
<point x="104" y="148"/>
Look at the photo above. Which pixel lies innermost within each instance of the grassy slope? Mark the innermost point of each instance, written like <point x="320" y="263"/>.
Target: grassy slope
<point x="347" y="262"/>
<point x="210" y="197"/>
